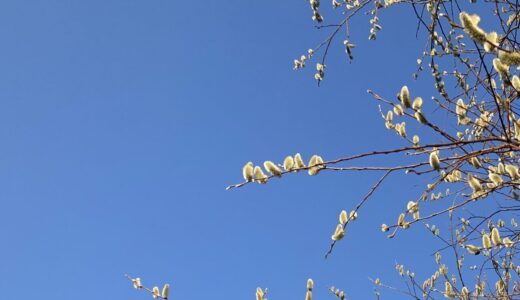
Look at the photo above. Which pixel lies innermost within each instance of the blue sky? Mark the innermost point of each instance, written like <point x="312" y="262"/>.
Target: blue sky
<point x="122" y="122"/>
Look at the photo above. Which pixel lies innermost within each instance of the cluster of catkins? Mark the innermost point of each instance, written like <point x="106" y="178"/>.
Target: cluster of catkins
<point x="491" y="43"/>
<point x="156" y="293"/>
<point x="290" y="163"/>
<point x="339" y="233"/>
<point x="399" y="110"/>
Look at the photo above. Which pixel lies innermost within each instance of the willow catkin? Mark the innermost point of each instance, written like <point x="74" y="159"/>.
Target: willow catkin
<point x="137" y="283"/>
<point x="400" y="220"/>
<point x="417" y="104"/>
<point x="495" y="237"/>
<point x="465" y="293"/>
<point x="339" y="233"/>
<point x="512" y="171"/>
<point x="420" y="117"/>
<point x="398" y="110"/>
<point x="259" y="294"/>
<point x="508" y="242"/>
<point x="259" y="175"/>
<point x="308" y="295"/>
<point x="491" y="42"/>
<point x="247" y="172"/>
<point x="434" y="161"/>
<point x="516" y="83"/>
<point x="475" y="250"/>
<point x="288" y="163"/>
<point x="310" y="284"/>
<point x="470" y="25"/>
<point x="343" y="218"/>
<point x="412" y="206"/>
<point x="448" y="290"/>
<point x="474" y="183"/>
<point x="298" y="161"/>
<point x="415" y="140"/>
<point x="272" y="168"/>
<point x="165" y="291"/>
<point x="486" y="241"/>
<point x="495" y="178"/>
<point x="510" y="58"/>
<point x="405" y="96"/>
<point x="155" y="292"/>
<point x="502" y="69"/>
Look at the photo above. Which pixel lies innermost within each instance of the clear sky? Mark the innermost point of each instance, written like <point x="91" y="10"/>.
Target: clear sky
<point x="122" y="122"/>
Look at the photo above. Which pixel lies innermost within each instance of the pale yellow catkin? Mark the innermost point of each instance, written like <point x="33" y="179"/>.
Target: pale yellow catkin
<point x="512" y="171"/>
<point x="155" y="292"/>
<point x="475" y="250"/>
<point x="509" y="58"/>
<point x="405" y="97"/>
<point x="339" y="233"/>
<point x="343" y="218"/>
<point x="486" y="241"/>
<point x="288" y="163"/>
<point x="448" y="290"/>
<point x="516" y="83"/>
<point x="508" y="242"/>
<point x="247" y="172"/>
<point x="420" y="117"/>
<point x="165" y="291"/>
<point x="495" y="178"/>
<point x="495" y="237"/>
<point x="491" y="42"/>
<point x="434" y="161"/>
<point x="398" y="110"/>
<point x="272" y="168"/>
<point x="470" y="25"/>
<point x="137" y="283"/>
<point x="259" y="175"/>
<point x="298" y="161"/>
<point x="310" y="284"/>
<point x="415" y="140"/>
<point x="259" y="294"/>
<point x="417" y="104"/>
<point x="474" y="183"/>
<point x="502" y="69"/>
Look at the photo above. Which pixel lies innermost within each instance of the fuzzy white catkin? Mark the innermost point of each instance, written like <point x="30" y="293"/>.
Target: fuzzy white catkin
<point x="272" y="168"/>
<point x="310" y="284"/>
<point x="298" y="161"/>
<point x="495" y="178"/>
<point x="474" y="183"/>
<point x="434" y="161"/>
<point x="417" y="104"/>
<point x="343" y="217"/>
<point x="259" y="294"/>
<point x="247" y="172"/>
<point x="398" y="110"/>
<point x="415" y="140"/>
<point x="155" y="292"/>
<point x="405" y="96"/>
<point x="475" y="250"/>
<point x="509" y="58"/>
<point x="516" y="83"/>
<point x="308" y="295"/>
<point x="502" y="69"/>
<point x="495" y="237"/>
<point x="512" y="171"/>
<point x="491" y="42"/>
<point x="420" y="117"/>
<point x="339" y="233"/>
<point x="486" y="241"/>
<point x="137" y="283"/>
<point x="288" y="163"/>
<point x="508" y="242"/>
<point x="259" y="175"/>
<point x="470" y="25"/>
<point x="165" y="291"/>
